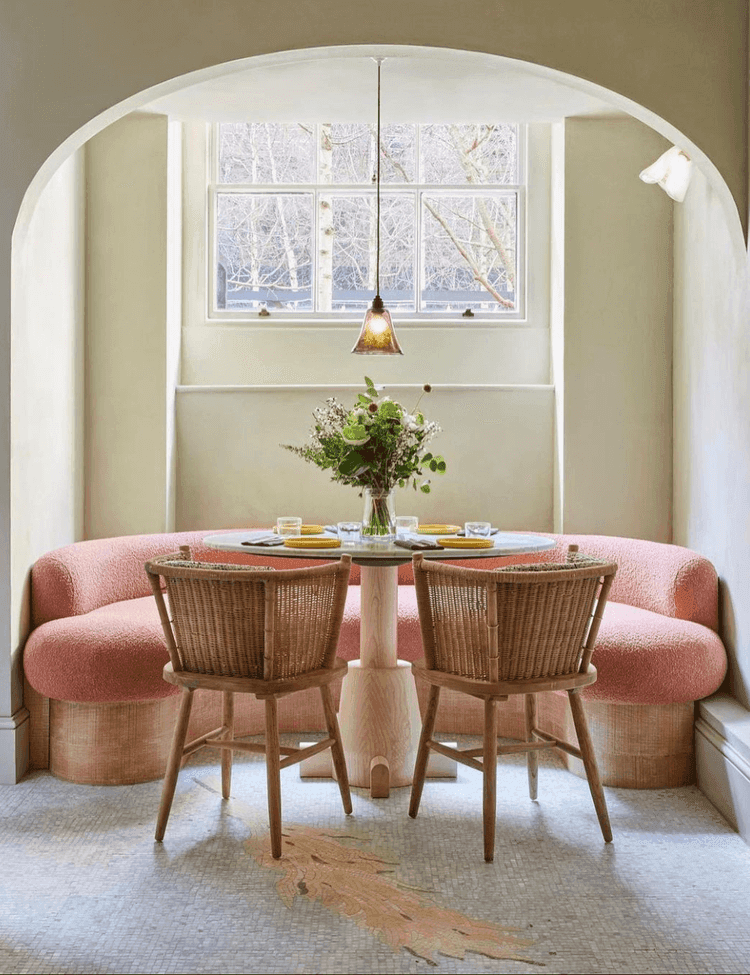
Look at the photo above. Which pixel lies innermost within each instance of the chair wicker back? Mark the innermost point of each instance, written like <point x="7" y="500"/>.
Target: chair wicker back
<point x="236" y="621"/>
<point x="526" y="629"/>
<point x="519" y="623"/>
<point x="250" y="630"/>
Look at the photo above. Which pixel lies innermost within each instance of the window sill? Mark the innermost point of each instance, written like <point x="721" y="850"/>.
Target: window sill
<point x="278" y="321"/>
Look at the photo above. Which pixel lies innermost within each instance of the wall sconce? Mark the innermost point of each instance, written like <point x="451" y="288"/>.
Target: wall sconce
<point x="671" y="171"/>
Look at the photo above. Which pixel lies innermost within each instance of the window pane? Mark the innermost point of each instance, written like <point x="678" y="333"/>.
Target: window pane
<point x="469" y="153"/>
<point x="354" y="252"/>
<point x="266" y="152"/>
<point x="264" y="251"/>
<point x="353" y="153"/>
<point x="469" y="252"/>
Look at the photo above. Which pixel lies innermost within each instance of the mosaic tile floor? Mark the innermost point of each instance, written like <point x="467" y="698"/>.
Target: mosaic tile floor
<point x="86" y="890"/>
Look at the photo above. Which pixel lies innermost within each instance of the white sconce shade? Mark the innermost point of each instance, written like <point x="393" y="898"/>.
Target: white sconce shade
<point x="672" y="172"/>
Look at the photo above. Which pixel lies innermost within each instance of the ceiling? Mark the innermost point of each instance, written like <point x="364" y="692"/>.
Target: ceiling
<point x="423" y="86"/>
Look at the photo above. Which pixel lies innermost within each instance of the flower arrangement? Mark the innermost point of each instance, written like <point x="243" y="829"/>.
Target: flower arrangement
<point x="376" y="444"/>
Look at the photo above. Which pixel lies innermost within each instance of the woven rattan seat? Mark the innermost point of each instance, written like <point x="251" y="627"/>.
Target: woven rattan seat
<point x="238" y="629"/>
<point x="496" y="633"/>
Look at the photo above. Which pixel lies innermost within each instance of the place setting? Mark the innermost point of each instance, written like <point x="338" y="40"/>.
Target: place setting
<point x="291" y="532"/>
<point x="474" y="535"/>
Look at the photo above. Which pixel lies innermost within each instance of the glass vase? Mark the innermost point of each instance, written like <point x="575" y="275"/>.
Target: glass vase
<point x="379" y="517"/>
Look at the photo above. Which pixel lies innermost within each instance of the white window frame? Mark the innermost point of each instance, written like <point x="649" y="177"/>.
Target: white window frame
<point x="533" y="229"/>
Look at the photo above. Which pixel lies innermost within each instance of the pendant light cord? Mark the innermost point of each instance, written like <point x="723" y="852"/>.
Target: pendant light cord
<point x="377" y="148"/>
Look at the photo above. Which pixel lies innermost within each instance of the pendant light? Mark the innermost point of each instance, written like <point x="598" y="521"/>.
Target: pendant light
<point x="377" y="336"/>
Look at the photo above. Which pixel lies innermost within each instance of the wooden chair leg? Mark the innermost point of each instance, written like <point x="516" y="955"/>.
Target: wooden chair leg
<point x="226" y="753"/>
<point x="174" y="762"/>
<point x="337" y="750"/>
<point x="273" y="775"/>
<point x="423" y="752"/>
<point x="489" y="762"/>
<point x="589" y="763"/>
<point x="532" y="758"/>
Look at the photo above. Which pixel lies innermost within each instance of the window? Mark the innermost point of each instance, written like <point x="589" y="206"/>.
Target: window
<point x="293" y="228"/>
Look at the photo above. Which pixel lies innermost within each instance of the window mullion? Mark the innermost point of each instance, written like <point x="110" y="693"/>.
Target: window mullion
<point x="316" y="222"/>
<point x="418" y="222"/>
<point x="418" y="232"/>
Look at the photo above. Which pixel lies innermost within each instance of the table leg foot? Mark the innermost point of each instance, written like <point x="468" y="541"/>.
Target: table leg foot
<point x="380" y="778"/>
<point x="379" y="716"/>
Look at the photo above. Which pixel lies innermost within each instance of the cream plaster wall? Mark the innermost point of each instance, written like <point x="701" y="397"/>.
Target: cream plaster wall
<point x="712" y="412"/>
<point x="47" y="409"/>
<point x="234" y="355"/>
<point x="233" y="473"/>
<point x="63" y="65"/>
<point x="126" y="328"/>
<point x="617" y="466"/>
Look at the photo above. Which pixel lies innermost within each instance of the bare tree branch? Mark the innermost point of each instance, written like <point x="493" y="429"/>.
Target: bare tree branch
<point x="475" y="269"/>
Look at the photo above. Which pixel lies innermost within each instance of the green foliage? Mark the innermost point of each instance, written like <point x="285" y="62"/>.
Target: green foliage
<point x="354" y="431"/>
<point x="390" y="410"/>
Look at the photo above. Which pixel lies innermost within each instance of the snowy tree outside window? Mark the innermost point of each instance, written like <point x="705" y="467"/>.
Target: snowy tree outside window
<point x="294" y="218"/>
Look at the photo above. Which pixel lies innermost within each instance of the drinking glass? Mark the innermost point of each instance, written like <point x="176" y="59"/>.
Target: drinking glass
<point x="288" y="526"/>
<point x="477" y="529"/>
<point x="405" y="525"/>
<point x="349" y="532"/>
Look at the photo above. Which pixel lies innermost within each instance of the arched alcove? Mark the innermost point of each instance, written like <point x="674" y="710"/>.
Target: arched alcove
<point x="204" y="83"/>
<point x="24" y="370"/>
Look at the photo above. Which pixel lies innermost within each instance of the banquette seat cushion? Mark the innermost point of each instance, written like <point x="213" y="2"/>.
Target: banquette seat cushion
<point x="113" y="653"/>
<point x="117" y="653"/>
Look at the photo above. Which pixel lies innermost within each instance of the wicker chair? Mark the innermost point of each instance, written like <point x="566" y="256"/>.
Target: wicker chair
<point x="252" y="631"/>
<point x="519" y="630"/>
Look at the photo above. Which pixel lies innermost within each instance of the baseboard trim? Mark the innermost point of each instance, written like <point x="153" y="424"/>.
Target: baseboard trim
<point x="14" y="746"/>
<point x="722" y="761"/>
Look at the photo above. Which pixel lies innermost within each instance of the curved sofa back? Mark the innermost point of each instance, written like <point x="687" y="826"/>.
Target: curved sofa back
<point x="665" y="579"/>
<point x="81" y="577"/>
<point x="78" y="578"/>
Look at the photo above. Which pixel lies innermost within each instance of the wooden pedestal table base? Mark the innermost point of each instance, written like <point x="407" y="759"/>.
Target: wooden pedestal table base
<point x="380" y="724"/>
<point x="379" y="712"/>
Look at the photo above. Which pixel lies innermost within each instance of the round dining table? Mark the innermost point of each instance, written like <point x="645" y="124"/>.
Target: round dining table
<point x="379" y="712"/>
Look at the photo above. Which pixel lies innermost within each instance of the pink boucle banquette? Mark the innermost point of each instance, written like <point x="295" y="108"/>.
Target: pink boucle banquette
<point x="101" y="712"/>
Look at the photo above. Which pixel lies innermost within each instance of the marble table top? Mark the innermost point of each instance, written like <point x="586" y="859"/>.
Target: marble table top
<point x="378" y="554"/>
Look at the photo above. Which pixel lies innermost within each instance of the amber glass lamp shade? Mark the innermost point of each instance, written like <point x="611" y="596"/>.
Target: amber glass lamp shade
<point x="377" y="337"/>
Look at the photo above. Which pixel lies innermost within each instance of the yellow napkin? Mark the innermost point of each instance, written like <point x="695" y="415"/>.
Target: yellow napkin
<point x="466" y="542"/>
<point x="298" y="542"/>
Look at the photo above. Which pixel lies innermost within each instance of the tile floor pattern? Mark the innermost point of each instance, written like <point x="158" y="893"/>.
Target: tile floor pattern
<point x="86" y="890"/>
